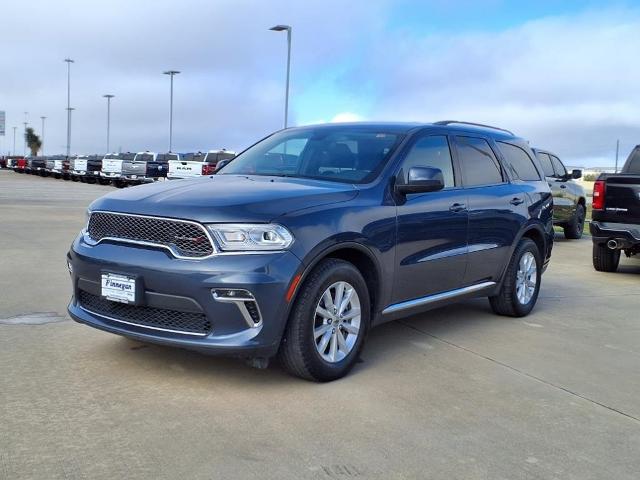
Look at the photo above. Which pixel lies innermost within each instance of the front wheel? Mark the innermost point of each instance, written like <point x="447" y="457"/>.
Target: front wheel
<point x="328" y="323"/>
<point x="521" y="284"/>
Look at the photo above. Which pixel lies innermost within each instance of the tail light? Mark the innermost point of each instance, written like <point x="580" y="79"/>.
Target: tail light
<point x="208" y="169"/>
<point x="598" y="195"/>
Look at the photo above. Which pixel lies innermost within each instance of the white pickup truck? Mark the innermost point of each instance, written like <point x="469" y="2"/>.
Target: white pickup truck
<point x="112" y="166"/>
<point x="192" y="165"/>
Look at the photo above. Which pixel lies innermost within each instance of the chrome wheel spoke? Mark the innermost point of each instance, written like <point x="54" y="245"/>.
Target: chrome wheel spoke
<point x="333" y="348"/>
<point x="342" y="344"/>
<point x="353" y="313"/>
<point x="337" y="302"/>
<point x="323" y="313"/>
<point x="328" y="301"/>
<point x="526" y="278"/>
<point x="322" y="346"/>
<point x="352" y="329"/>
<point x="321" y="330"/>
<point x="345" y="300"/>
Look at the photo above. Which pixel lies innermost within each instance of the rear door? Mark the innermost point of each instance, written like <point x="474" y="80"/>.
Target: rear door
<point x="497" y="208"/>
<point x="431" y="249"/>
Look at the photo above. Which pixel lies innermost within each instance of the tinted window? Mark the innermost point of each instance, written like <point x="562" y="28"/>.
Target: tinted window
<point x="545" y="161"/>
<point x="519" y="162"/>
<point x="432" y="151"/>
<point x="342" y="154"/>
<point x="633" y="163"/>
<point x="477" y="161"/>
<point x="558" y="167"/>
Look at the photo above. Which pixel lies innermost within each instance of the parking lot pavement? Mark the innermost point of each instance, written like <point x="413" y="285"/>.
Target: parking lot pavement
<point x="454" y="393"/>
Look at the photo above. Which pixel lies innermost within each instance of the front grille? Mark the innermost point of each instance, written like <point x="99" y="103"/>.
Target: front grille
<point x="183" y="238"/>
<point x="186" y="322"/>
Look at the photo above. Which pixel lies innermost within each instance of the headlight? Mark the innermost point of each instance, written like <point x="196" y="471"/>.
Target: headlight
<point x="239" y="237"/>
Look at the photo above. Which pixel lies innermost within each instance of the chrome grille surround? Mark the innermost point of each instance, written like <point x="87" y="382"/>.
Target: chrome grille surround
<point x="183" y="238"/>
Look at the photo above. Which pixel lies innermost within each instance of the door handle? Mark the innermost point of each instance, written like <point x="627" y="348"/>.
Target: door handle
<point x="563" y="186"/>
<point x="457" y="207"/>
<point x="516" y="201"/>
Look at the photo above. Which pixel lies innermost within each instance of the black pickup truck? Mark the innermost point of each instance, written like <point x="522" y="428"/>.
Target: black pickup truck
<point x="616" y="215"/>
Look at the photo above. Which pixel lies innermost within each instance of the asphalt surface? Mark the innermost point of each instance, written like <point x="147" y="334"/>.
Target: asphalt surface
<point x="452" y="394"/>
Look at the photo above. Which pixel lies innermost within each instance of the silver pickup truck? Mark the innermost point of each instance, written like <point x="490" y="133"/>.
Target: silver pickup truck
<point x="146" y="167"/>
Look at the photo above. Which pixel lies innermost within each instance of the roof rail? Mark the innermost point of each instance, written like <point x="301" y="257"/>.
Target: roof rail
<point x="447" y="122"/>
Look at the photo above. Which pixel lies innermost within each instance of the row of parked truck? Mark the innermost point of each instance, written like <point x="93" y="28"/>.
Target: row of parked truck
<point x="122" y="169"/>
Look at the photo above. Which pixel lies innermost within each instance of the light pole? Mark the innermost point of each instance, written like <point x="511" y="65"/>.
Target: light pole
<point x="70" y="110"/>
<point x="171" y="73"/>
<point x="14" y="140"/>
<point x="42" y="146"/>
<point x="25" y="123"/>
<point x="287" y="28"/>
<point x="69" y="62"/>
<point x="108" y="96"/>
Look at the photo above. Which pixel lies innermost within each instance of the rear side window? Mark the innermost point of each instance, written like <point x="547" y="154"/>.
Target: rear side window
<point x="558" y="167"/>
<point x="431" y="151"/>
<point x="545" y="161"/>
<point x="519" y="163"/>
<point x="478" y="163"/>
<point x="633" y="164"/>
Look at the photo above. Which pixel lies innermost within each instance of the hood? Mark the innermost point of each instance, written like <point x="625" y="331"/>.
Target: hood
<point x="226" y="198"/>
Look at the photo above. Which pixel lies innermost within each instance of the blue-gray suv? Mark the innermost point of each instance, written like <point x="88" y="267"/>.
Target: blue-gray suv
<point x="312" y="236"/>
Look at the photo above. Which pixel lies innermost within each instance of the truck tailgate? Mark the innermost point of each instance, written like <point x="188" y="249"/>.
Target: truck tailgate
<point x="622" y="198"/>
<point x="110" y="165"/>
<point x="134" y="168"/>
<point x="179" y="169"/>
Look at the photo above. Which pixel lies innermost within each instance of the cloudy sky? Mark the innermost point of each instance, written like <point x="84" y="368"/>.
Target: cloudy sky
<point x="564" y="75"/>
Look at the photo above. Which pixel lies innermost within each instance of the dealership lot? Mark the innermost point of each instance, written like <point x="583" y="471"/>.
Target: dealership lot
<point x="455" y="393"/>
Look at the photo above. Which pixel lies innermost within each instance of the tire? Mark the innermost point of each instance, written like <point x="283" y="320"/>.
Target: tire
<point x="515" y="299"/>
<point x="605" y="259"/>
<point x="573" y="230"/>
<point x="299" y="353"/>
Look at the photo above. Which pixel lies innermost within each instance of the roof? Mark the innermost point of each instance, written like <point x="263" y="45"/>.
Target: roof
<point x="406" y="127"/>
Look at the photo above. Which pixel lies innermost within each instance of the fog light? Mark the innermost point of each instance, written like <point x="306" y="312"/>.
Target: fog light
<point x="244" y="300"/>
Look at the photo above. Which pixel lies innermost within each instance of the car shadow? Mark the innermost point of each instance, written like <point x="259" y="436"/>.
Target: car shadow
<point x="384" y="342"/>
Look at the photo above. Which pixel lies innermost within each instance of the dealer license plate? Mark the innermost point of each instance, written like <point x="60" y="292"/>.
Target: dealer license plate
<point x="118" y="288"/>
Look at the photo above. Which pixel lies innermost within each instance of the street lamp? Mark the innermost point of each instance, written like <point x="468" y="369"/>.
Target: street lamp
<point x="171" y="73"/>
<point x="108" y="96"/>
<point x="69" y="62"/>
<point x="14" y="140"/>
<point x="42" y="146"/>
<point x="25" y="123"/>
<point x="287" y="28"/>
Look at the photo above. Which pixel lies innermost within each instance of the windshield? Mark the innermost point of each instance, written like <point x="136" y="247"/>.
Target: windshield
<point x="113" y="156"/>
<point x="341" y="153"/>
<point x="144" y="157"/>
<point x="193" y="157"/>
<point x="633" y="163"/>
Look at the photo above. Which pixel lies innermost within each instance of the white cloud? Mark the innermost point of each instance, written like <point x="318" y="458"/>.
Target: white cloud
<point x="569" y="84"/>
<point x="346" y="117"/>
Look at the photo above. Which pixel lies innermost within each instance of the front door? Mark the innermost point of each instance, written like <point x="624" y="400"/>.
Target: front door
<point x="431" y="251"/>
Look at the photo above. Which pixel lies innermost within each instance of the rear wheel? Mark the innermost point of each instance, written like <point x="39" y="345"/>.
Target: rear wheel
<point x="605" y="259"/>
<point x="328" y="323"/>
<point x="521" y="285"/>
<point x="573" y="230"/>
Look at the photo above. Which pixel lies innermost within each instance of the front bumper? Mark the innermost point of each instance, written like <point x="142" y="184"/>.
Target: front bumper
<point x="625" y="233"/>
<point x="187" y="285"/>
<point x="139" y="178"/>
<point x="111" y="175"/>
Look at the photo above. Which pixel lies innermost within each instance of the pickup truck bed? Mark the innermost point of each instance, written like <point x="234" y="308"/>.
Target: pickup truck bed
<point x="616" y="215"/>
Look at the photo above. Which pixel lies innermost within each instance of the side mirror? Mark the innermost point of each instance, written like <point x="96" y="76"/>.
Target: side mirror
<point x="222" y="163"/>
<point x="576" y="174"/>
<point x="421" y="180"/>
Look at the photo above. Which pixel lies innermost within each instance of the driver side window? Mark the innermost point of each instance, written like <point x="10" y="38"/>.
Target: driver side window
<point x="430" y="151"/>
<point x="558" y="167"/>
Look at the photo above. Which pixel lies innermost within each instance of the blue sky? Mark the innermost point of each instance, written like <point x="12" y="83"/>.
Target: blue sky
<point x="562" y="74"/>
